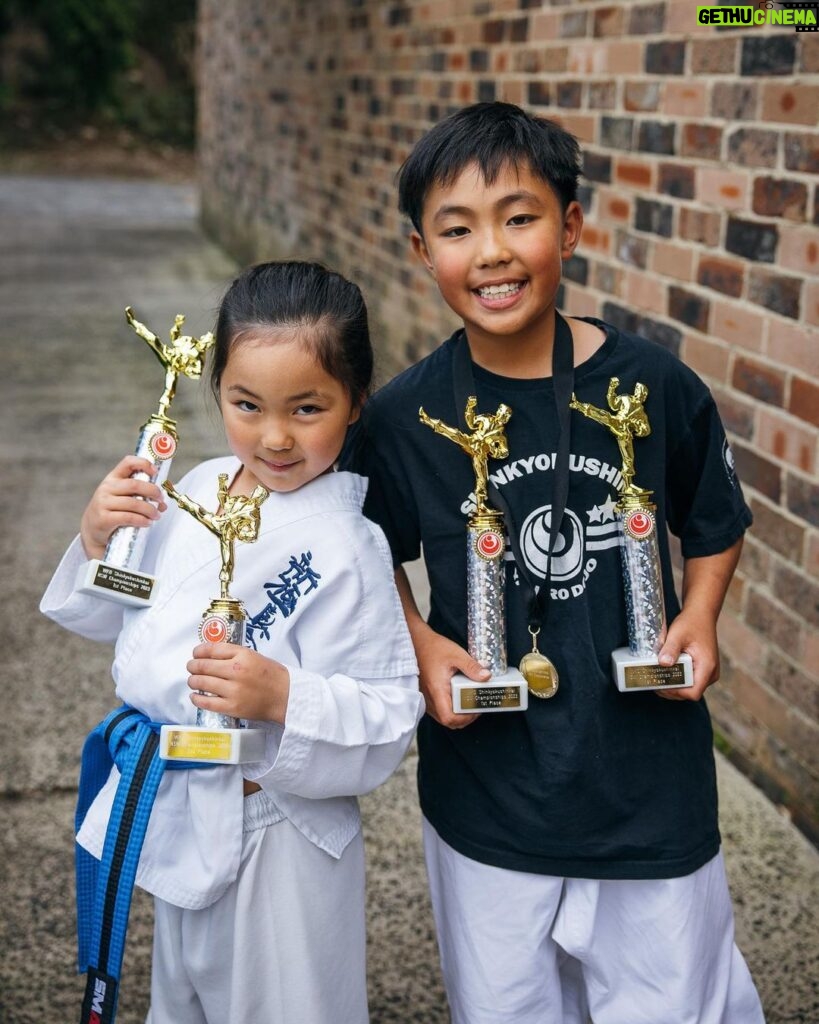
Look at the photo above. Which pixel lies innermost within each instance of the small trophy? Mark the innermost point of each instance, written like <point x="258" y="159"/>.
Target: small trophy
<point x="486" y="623"/>
<point x="636" y="667"/>
<point x="116" y="576"/>
<point x="216" y="737"/>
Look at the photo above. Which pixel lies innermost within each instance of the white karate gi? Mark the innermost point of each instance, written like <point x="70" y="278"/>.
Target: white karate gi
<point x="319" y="593"/>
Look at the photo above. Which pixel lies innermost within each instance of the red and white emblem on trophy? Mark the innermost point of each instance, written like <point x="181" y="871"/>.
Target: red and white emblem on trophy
<point x="163" y="445"/>
<point x="213" y="630"/>
<point x="639" y="524"/>
<point x="489" y="544"/>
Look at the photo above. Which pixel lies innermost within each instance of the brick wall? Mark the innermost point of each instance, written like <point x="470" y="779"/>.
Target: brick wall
<point x="701" y="159"/>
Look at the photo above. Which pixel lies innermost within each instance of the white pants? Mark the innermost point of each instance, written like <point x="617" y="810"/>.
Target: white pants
<point x="284" y="945"/>
<point x="522" y="948"/>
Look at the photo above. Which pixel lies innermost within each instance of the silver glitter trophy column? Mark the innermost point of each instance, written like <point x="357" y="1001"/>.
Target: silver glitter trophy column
<point x="486" y="621"/>
<point x="117" y="577"/>
<point x="636" y="667"/>
<point x="216" y="737"/>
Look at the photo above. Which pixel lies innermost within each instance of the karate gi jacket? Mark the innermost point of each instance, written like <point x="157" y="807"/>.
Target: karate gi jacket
<point x="319" y="592"/>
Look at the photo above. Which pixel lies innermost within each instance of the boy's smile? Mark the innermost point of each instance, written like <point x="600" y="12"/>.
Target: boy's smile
<point x="496" y="253"/>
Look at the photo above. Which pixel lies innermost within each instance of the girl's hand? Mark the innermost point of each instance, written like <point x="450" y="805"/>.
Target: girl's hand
<point x="237" y="681"/>
<point x="120" y="501"/>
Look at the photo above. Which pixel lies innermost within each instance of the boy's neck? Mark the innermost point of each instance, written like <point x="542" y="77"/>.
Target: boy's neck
<point x="530" y="357"/>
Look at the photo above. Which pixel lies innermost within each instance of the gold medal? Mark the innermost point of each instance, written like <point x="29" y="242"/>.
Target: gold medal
<point x="538" y="671"/>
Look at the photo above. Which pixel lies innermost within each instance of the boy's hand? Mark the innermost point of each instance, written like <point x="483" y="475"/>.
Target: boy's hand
<point x="118" y="501"/>
<point x="438" y="660"/>
<point x="695" y="633"/>
<point x="237" y="681"/>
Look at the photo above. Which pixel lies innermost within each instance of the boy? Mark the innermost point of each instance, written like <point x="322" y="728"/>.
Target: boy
<point x="573" y="848"/>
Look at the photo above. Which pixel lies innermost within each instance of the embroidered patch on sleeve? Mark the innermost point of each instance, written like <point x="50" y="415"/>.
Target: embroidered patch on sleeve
<point x="283" y="594"/>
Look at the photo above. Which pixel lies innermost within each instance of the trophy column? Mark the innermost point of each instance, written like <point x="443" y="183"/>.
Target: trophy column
<point x="486" y="620"/>
<point x="637" y="666"/>
<point x="219" y="738"/>
<point x="117" y="576"/>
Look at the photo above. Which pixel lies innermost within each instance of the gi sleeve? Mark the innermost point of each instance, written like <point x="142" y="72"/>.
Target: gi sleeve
<point x="706" y="508"/>
<point x="85" y="614"/>
<point x="348" y="726"/>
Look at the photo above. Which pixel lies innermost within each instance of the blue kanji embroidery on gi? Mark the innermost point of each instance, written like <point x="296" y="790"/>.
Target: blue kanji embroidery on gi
<point x="298" y="579"/>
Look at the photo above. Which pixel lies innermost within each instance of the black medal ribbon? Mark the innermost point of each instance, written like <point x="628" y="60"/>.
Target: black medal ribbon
<point x="463" y="379"/>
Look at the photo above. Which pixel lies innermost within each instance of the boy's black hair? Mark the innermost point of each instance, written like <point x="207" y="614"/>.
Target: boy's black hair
<point x="493" y="136"/>
<point x="298" y="294"/>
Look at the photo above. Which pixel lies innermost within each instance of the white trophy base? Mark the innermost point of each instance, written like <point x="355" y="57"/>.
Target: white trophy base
<point x="639" y="672"/>
<point x="212" y="746"/>
<point x="507" y="692"/>
<point x="114" y="584"/>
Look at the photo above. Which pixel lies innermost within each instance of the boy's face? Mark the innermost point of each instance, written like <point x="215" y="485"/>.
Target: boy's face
<point x="496" y="252"/>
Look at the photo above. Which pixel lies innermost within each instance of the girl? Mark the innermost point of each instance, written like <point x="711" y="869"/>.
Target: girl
<point x="258" y="869"/>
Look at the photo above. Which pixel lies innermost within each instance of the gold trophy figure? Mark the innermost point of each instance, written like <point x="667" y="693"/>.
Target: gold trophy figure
<point x="637" y="666"/>
<point x="117" y="576"/>
<point x="216" y="737"/>
<point x="486" y="623"/>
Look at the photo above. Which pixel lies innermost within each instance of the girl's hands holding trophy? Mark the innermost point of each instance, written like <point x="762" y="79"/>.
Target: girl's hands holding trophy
<point x="126" y="497"/>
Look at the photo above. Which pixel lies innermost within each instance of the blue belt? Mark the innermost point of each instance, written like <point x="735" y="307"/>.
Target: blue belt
<point x="130" y="740"/>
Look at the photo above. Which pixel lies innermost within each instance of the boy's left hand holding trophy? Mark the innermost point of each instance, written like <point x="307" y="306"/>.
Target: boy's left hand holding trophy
<point x="117" y="576"/>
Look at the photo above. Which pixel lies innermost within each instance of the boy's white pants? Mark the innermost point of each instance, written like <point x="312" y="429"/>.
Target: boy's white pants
<point x="522" y="948"/>
<point x="284" y="945"/>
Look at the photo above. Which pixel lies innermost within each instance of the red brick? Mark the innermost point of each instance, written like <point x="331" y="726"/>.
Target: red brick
<point x="699" y="226"/>
<point x="741" y="643"/>
<point x="757" y="472"/>
<point x="795" y="686"/>
<point x="795" y="346"/>
<point x="799" y="249"/>
<point x="608" y="21"/>
<point x="706" y="358"/>
<point x="759" y="381"/>
<point x="804" y="400"/>
<point x="778" y="435"/>
<point x="775" y="291"/>
<point x="685" y="99"/>
<point x="630" y="172"/>
<point x="672" y="260"/>
<point x="701" y="140"/>
<point x="688" y="307"/>
<point x="780" y="197"/>
<point x="781" y="533"/>
<point x="723" y="275"/>
<point x="726" y="189"/>
<point x="641" y="95"/>
<point x="740" y="325"/>
<point x="772" y="621"/>
<point x="797" y="592"/>
<point x="714" y="56"/>
<point x="790" y="104"/>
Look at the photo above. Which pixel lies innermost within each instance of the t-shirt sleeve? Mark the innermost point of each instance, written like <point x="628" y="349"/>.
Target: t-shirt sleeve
<point x="374" y="451"/>
<point x="705" y="505"/>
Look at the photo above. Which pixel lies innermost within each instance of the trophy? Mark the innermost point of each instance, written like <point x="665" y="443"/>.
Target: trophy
<point x="219" y="738"/>
<point x="116" y="576"/>
<point x="636" y="667"/>
<point x="486" y="623"/>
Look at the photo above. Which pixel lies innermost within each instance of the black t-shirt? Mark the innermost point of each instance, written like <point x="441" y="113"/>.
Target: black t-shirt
<point x="593" y="783"/>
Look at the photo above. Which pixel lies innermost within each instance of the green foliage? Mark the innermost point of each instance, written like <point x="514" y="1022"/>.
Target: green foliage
<point x="121" y="63"/>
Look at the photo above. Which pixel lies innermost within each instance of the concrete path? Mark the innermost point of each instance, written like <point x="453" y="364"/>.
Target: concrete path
<point x="76" y="385"/>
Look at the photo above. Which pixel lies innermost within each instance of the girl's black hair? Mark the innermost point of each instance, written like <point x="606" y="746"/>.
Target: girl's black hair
<point x="493" y="136"/>
<point x="297" y="294"/>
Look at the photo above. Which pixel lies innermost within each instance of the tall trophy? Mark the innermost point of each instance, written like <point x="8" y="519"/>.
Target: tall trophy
<point x="636" y="667"/>
<point x="216" y="737"/>
<point x="116" y="576"/>
<point x="486" y="621"/>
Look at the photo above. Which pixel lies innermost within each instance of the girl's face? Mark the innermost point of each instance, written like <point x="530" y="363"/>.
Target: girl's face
<point x="285" y="416"/>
